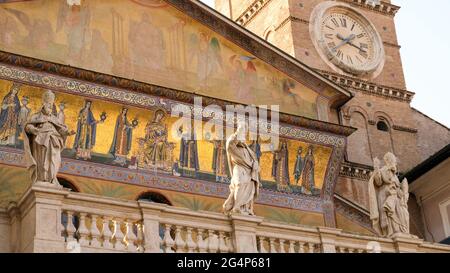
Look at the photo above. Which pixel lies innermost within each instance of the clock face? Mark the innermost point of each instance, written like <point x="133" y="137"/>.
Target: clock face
<point x="348" y="41"/>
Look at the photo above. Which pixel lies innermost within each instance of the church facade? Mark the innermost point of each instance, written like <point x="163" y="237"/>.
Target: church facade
<point x="118" y="70"/>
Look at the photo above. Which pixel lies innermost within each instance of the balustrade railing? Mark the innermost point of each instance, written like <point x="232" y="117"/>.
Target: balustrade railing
<point x="52" y="220"/>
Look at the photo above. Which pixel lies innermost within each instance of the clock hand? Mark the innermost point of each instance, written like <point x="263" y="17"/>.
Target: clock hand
<point x="348" y="41"/>
<point x="344" y="40"/>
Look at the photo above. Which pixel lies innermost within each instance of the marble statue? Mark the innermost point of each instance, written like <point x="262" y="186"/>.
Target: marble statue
<point x="388" y="199"/>
<point x="244" y="169"/>
<point x="44" y="139"/>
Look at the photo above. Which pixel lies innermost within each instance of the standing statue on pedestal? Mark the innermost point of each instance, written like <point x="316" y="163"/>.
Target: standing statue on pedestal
<point x="244" y="169"/>
<point x="388" y="199"/>
<point x="44" y="139"/>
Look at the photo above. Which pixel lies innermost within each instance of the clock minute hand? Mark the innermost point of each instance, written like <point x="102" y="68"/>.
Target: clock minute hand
<point x="344" y="40"/>
<point x="352" y="44"/>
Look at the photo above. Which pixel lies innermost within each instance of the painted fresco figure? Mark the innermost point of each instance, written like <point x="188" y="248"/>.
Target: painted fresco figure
<point x="206" y="51"/>
<point x="188" y="159"/>
<point x="157" y="149"/>
<point x="308" y="184"/>
<point x="123" y="133"/>
<point x="280" y="168"/>
<point x="298" y="167"/>
<point x="9" y="115"/>
<point x="44" y="139"/>
<point x="86" y="131"/>
<point x="220" y="162"/>
<point x="244" y="167"/>
<point x="388" y="199"/>
<point x="147" y="47"/>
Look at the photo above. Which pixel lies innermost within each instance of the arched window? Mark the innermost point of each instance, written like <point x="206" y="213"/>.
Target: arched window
<point x="154" y="197"/>
<point x="67" y="184"/>
<point x="382" y="126"/>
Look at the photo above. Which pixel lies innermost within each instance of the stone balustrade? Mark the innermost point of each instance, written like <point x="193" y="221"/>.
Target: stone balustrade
<point x="54" y="220"/>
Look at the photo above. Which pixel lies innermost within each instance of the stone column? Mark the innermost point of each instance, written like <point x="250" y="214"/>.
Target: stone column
<point x="151" y="213"/>
<point x="244" y="233"/>
<point x="40" y="226"/>
<point x="328" y="239"/>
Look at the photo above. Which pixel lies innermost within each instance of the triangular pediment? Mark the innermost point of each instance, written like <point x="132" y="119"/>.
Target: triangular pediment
<point x="182" y="45"/>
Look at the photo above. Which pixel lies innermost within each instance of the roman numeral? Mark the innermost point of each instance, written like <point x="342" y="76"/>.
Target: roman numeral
<point x="335" y="22"/>
<point x="361" y="35"/>
<point x="353" y="27"/>
<point x="329" y="36"/>
<point x="364" y="45"/>
<point x="329" y="27"/>
<point x="358" y="59"/>
<point x="340" y="54"/>
<point x="331" y="45"/>
<point x="363" y="54"/>
<point x="343" y="22"/>
<point x="349" y="59"/>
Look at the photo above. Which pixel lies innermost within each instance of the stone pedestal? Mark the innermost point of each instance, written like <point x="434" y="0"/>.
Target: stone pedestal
<point x="328" y="239"/>
<point x="40" y="227"/>
<point x="151" y="217"/>
<point x="406" y="243"/>
<point x="244" y="233"/>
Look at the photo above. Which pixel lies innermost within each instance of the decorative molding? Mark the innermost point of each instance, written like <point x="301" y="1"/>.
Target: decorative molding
<point x="352" y="213"/>
<point x="251" y="12"/>
<point x="392" y="45"/>
<point x="384" y="7"/>
<point x="369" y="87"/>
<point x="405" y="129"/>
<point x="291" y="19"/>
<point x="352" y="170"/>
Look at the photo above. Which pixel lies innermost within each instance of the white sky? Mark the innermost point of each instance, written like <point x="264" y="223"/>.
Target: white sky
<point x="423" y="30"/>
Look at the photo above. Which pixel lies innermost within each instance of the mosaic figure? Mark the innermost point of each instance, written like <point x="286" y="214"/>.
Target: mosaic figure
<point x="9" y="115"/>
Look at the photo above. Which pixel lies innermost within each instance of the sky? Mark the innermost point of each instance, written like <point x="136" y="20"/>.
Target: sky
<point x="423" y="31"/>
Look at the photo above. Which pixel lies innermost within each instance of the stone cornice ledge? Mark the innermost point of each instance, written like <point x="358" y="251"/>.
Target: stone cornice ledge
<point x="384" y="7"/>
<point x="369" y="87"/>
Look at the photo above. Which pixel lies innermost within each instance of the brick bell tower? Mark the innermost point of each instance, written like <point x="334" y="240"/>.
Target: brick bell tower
<point x="355" y="44"/>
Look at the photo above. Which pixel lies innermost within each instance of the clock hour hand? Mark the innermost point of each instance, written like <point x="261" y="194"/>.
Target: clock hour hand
<point x="349" y="41"/>
<point x="344" y="40"/>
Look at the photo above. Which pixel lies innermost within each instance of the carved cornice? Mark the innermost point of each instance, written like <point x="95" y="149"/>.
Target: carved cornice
<point x="258" y="5"/>
<point x="352" y="212"/>
<point x="353" y="170"/>
<point x="392" y="45"/>
<point x="384" y="7"/>
<point x="405" y="129"/>
<point x="291" y="19"/>
<point x="251" y="12"/>
<point x="369" y="87"/>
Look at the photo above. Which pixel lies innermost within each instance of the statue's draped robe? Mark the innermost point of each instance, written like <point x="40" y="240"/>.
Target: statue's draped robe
<point x="9" y="114"/>
<point x="244" y="187"/>
<point x="280" y="166"/>
<point x="387" y="203"/>
<point x="121" y="145"/>
<point x="189" y="153"/>
<point x="86" y="133"/>
<point x="308" y="173"/>
<point x="43" y="151"/>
